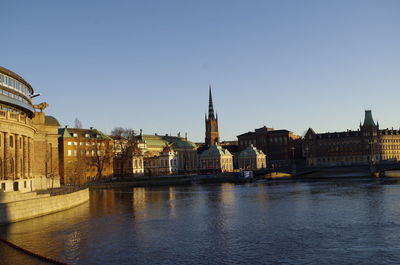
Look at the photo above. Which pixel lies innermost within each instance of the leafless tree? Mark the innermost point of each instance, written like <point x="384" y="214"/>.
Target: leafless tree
<point x="100" y="156"/>
<point x="78" y="123"/>
<point x="124" y="147"/>
<point x="78" y="167"/>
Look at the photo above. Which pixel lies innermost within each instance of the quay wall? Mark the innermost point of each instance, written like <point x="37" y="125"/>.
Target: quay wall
<point x="39" y="205"/>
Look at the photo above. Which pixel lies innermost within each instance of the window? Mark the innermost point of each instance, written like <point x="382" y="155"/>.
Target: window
<point x="11" y="141"/>
<point x="69" y="143"/>
<point x="69" y="152"/>
<point x="3" y="186"/>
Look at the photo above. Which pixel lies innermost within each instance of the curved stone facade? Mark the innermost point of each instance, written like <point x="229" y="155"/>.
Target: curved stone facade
<point x="28" y="144"/>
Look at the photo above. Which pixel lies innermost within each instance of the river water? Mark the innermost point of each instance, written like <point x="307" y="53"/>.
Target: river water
<point x="281" y="222"/>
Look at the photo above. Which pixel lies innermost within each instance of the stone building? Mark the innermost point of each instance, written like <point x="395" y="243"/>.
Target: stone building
<point x="212" y="134"/>
<point x="216" y="159"/>
<point x="168" y="161"/>
<point x="128" y="158"/>
<point x="280" y="146"/>
<point x="368" y="144"/>
<point x="153" y="145"/>
<point x="28" y="138"/>
<point x="252" y="159"/>
<point x="85" y="155"/>
<point x="152" y="166"/>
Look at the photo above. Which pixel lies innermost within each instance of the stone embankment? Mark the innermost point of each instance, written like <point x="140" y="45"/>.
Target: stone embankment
<point x="15" y="206"/>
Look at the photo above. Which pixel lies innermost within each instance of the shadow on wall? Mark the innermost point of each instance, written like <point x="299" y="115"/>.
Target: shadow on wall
<point x="3" y="210"/>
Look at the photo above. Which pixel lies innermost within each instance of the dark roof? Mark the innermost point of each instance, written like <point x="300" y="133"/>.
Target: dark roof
<point x="50" y="120"/>
<point x="247" y="134"/>
<point x="338" y="134"/>
<point x="82" y="133"/>
<point x="368" y="120"/>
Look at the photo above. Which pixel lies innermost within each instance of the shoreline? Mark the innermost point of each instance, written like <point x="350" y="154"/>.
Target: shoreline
<point x="213" y="179"/>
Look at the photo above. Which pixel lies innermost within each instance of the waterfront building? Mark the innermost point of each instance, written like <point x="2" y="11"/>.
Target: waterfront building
<point x="212" y="134"/>
<point x="28" y="138"/>
<point x="282" y="147"/>
<point x="151" y="165"/>
<point x="216" y="159"/>
<point x="128" y="158"/>
<point x="85" y="155"/>
<point x="152" y="145"/>
<point x="368" y="144"/>
<point x="252" y="159"/>
<point x="168" y="161"/>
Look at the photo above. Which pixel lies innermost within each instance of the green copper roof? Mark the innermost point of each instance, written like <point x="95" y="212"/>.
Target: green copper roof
<point x="215" y="151"/>
<point x="160" y="141"/>
<point x="251" y="151"/>
<point x="368" y="120"/>
<point x="83" y="133"/>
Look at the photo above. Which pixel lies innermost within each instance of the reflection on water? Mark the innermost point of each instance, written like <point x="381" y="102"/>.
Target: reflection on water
<point x="325" y="222"/>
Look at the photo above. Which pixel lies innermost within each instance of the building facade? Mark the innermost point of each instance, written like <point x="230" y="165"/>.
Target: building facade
<point x="282" y="147"/>
<point x="152" y="145"/>
<point x="128" y="158"/>
<point x="368" y="144"/>
<point x="216" y="159"/>
<point x="252" y="159"/>
<point x="28" y="138"/>
<point x="212" y="133"/>
<point x="168" y="161"/>
<point x="85" y="155"/>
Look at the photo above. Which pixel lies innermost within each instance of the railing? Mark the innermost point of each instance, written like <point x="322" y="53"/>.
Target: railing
<point x="15" y="116"/>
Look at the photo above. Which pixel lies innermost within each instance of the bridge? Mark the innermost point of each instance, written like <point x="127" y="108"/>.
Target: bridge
<point x="358" y="170"/>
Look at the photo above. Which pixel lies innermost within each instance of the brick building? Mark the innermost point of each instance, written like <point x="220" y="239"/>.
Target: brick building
<point x="368" y="144"/>
<point x="84" y="155"/>
<point x="280" y="146"/>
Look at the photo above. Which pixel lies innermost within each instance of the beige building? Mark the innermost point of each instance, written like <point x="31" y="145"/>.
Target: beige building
<point x="153" y="145"/>
<point x="128" y="158"/>
<point x="216" y="159"/>
<point x="168" y="161"/>
<point x="252" y="159"/>
<point x="28" y="139"/>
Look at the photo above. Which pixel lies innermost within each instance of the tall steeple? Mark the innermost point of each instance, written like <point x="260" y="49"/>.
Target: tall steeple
<point x="212" y="134"/>
<point x="210" y="105"/>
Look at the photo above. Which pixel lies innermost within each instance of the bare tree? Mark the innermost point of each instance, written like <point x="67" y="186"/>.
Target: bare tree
<point x="78" y="123"/>
<point x="124" y="147"/>
<point x="77" y="169"/>
<point x="100" y="156"/>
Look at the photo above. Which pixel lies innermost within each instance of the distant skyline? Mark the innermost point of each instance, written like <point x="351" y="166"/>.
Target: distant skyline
<point x="148" y="64"/>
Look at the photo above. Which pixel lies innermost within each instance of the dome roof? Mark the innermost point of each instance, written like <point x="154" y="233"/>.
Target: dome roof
<point x="50" y="120"/>
<point x="215" y="151"/>
<point x="251" y="151"/>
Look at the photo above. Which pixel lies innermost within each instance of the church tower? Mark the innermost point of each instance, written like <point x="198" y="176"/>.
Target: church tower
<point x="212" y="135"/>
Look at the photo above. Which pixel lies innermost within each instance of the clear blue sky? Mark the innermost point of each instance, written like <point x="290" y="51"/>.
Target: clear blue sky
<point x="147" y="64"/>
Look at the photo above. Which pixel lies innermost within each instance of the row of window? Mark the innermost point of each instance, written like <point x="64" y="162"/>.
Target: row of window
<point x="83" y="143"/>
<point x="11" y="95"/>
<point x="14" y="84"/>
<point x="85" y="153"/>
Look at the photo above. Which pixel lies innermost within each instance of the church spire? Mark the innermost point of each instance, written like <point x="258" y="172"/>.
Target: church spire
<point x="210" y="105"/>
